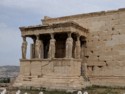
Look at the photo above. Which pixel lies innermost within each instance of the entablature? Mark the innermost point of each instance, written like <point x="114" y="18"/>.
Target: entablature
<point x="54" y="28"/>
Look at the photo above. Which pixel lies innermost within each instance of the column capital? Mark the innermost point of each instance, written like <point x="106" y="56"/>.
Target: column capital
<point x="52" y="35"/>
<point x="78" y="35"/>
<point x="24" y="38"/>
<point x="37" y="37"/>
<point x="69" y="34"/>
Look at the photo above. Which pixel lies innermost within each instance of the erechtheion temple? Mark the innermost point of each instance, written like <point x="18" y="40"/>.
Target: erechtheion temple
<point x="73" y="52"/>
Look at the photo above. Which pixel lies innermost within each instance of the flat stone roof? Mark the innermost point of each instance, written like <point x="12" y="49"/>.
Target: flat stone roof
<point x="91" y="14"/>
<point x="54" y="28"/>
<point x="55" y="25"/>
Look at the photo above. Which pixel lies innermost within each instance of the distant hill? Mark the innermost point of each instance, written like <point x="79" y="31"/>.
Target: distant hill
<point x="9" y="71"/>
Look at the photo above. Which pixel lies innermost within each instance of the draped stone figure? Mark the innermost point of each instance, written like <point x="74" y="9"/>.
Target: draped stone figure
<point x="37" y="48"/>
<point x="78" y="49"/>
<point x="24" y="48"/>
<point x="52" y="47"/>
<point x="69" y="46"/>
<point x="41" y="92"/>
<point x="79" y="92"/>
<point x="18" y="92"/>
<point x="85" y="92"/>
<point x="4" y="91"/>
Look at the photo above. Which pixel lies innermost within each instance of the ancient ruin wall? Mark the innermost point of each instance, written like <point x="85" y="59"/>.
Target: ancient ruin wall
<point x="105" y="45"/>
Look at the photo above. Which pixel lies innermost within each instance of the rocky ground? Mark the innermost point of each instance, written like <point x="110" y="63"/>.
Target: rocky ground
<point x="9" y="71"/>
<point x="12" y="71"/>
<point x="90" y="90"/>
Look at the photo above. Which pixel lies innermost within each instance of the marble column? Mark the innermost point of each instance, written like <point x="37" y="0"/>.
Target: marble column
<point x="78" y="48"/>
<point x="69" y="46"/>
<point x="37" y="47"/>
<point x="52" y="48"/>
<point x="24" y="48"/>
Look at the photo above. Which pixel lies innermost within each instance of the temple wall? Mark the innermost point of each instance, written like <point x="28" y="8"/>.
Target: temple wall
<point x="55" y="68"/>
<point x="54" y="74"/>
<point x="105" y="44"/>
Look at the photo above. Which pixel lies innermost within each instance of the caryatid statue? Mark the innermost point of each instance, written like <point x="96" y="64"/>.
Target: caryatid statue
<point x="52" y="47"/>
<point x="78" y="48"/>
<point x="37" y="48"/>
<point x="69" y="46"/>
<point x="24" y="48"/>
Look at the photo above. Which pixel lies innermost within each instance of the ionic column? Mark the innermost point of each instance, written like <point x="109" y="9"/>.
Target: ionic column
<point x="24" y="48"/>
<point x="51" y="53"/>
<point x="37" y="47"/>
<point x="78" y="48"/>
<point x="69" y="46"/>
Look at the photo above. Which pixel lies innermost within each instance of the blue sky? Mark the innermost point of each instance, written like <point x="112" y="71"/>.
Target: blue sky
<point x="16" y="13"/>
